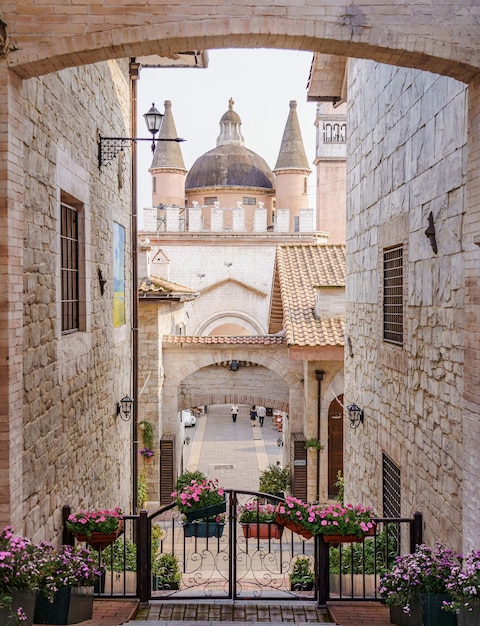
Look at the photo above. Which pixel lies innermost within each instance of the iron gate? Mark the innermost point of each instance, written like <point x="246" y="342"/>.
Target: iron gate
<point x="235" y="561"/>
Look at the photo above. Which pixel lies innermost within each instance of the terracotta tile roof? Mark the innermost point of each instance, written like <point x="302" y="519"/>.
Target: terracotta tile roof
<point x="266" y="340"/>
<point x="156" y="287"/>
<point x="299" y="268"/>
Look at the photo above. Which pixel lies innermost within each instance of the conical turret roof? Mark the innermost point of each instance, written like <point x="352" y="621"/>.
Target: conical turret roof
<point x="168" y="153"/>
<point x="292" y="151"/>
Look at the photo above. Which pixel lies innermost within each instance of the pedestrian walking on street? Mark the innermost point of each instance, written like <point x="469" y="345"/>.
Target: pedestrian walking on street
<point x="261" y="412"/>
<point x="253" y="414"/>
<point x="234" y="412"/>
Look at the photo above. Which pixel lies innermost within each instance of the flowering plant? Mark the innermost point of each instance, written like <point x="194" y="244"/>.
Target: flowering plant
<point x="332" y="520"/>
<point x="87" y="522"/>
<point x="19" y="568"/>
<point x="464" y="583"/>
<point x="199" y="494"/>
<point x="254" y="512"/>
<point x="66" y="567"/>
<point x="427" y="570"/>
<point x="147" y="453"/>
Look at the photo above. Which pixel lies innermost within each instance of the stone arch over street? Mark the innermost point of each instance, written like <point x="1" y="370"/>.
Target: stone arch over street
<point x="322" y="26"/>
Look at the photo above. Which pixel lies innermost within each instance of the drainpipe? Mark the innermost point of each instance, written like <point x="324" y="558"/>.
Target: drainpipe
<point x="134" y="76"/>
<point x="319" y="374"/>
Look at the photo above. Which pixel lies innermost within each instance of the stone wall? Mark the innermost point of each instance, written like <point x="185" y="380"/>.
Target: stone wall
<point x="76" y="450"/>
<point x="407" y="158"/>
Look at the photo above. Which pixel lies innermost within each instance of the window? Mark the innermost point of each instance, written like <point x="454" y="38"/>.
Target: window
<point x="69" y="268"/>
<point x="391" y="498"/>
<point x="210" y="200"/>
<point x="393" y="295"/>
<point x="249" y="201"/>
<point x="154" y="185"/>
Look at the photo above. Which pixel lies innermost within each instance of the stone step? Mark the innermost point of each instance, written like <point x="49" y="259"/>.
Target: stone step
<point x="214" y="623"/>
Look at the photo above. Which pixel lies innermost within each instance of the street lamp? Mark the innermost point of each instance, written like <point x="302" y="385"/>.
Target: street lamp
<point x="109" y="147"/>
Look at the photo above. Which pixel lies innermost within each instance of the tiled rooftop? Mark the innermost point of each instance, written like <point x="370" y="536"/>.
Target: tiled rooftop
<point x="299" y="269"/>
<point x="157" y="287"/>
<point x="220" y="339"/>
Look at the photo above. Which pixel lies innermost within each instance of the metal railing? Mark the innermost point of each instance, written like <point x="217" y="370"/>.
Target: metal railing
<point x="343" y="571"/>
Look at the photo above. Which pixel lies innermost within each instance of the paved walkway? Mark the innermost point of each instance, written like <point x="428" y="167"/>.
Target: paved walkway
<point x="119" y="612"/>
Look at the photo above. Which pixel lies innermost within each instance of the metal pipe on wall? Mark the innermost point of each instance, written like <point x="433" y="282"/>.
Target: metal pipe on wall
<point x="319" y="374"/>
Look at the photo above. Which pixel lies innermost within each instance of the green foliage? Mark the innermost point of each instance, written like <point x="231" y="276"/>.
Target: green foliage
<point x="165" y="567"/>
<point x="314" y="444"/>
<point x="275" y="480"/>
<point x="120" y="555"/>
<point x="340" y="485"/>
<point x="147" y="433"/>
<point x="142" y="493"/>
<point x="187" y="477"/>
<point x="369" y="557"/>
<point x="302" y="572"/>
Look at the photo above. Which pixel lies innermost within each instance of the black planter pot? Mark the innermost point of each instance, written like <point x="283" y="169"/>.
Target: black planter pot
<point x="23" y="599"/>
<point x="70" y="605"/>
<point x="160" y="585"/>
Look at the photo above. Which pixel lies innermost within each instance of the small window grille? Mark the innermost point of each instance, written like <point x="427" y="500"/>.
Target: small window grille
<point x="391" y="488"/>
<point x="393" y="295"/>
<point x="69" y="268"/>
<point x="249" y="201"/>
<point x="210" y="200"/>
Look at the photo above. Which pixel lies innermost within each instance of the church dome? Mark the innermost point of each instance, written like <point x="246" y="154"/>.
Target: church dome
<point x="230" y="164"/>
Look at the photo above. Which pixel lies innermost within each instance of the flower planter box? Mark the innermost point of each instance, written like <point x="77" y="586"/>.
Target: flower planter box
<point x="206" y="512"/>
<point x="470" y="618"/>
<point x="24" y="599"/>
<point x="262" y="530"/>
<point x="358" y="585"/>
<point x="282" y="520"/>
<point x="400" y="618"/>
<point x="343" y="538"/>
<point x="118" y="583"/>
<point x="70" y="605"/>
<point x="432" y="612"/>
<point x="203" y="529"/>
<point x="100" y="541"/>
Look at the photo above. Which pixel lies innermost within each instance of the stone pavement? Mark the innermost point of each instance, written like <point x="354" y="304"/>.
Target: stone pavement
<point x="120" y="612"/>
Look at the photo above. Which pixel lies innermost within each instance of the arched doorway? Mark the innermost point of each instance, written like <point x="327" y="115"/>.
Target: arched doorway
<point x="335" y="444"/>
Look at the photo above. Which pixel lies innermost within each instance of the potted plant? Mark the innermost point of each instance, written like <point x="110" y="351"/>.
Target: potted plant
<point x="301" y="576"/>
<point x="258" y="520"/>
<point x="463" y="586"/>
<point x="416" y="587"/>
<point x="147" y="453"/>
<point x="200" y="500"/>
<point x="98" y="528"/>
<point x="166" y="572"/>
<point x="275" y="480"/>
<point x="314" y="444"/>
<point x="65" y="584"/>
<point x="19" y="578"/>
<point x="335" y="523"/>
<point x="187" y="477"/>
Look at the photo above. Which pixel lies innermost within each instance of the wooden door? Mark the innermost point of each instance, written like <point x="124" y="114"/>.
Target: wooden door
<point x="335" y="444"/>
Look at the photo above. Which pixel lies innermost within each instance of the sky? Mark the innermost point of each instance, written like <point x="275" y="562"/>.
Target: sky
<point x="261" y="82"/>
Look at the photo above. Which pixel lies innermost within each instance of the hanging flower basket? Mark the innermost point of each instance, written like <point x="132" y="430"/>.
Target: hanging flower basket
<point x="203" y="529"/>
<point x="98" y="540"/>
<point x="293" y="526"/>
<point x="343" y="538"/>
<point x="206" y="512"/>
<point x="200" y="499"/>
<point x="262" y="530"/>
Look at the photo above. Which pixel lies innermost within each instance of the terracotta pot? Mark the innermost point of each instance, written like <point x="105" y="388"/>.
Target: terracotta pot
<point x="282" y="520"/>
<point x="262" y="530"/>
<point x="100" y="541"/>
<point x="343" y="539"/>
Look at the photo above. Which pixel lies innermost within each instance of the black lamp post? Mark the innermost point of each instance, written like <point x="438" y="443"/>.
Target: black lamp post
<point x="109" y="147"/>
